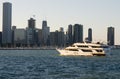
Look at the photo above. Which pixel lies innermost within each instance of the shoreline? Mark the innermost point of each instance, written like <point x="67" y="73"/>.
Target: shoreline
<point x="31" y="48"/>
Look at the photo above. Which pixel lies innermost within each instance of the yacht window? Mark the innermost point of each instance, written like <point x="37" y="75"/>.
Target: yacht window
<point x="83" y="46"/>
<point x="95" y="46"/>
<point x="73" y="50"/>
<point x="86" y="50"/>
<point x="99" y="50"/>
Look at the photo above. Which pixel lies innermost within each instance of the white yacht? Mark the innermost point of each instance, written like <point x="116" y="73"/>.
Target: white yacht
<point x="83" y="49"/>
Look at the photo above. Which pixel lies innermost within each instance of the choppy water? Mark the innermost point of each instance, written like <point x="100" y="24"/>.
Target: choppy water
<point x="47" y="64"/>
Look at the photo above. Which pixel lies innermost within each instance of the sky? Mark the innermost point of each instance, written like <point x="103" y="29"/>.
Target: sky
<point x="95" y="14"/>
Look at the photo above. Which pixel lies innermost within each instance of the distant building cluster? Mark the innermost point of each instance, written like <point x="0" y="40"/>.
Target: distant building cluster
<point x="11" y="36"/>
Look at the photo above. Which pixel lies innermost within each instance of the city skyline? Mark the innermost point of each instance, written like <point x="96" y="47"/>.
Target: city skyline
<point x="104" y="15"/>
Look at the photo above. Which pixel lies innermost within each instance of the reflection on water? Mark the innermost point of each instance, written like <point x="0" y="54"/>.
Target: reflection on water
<point x="47" y="64"/>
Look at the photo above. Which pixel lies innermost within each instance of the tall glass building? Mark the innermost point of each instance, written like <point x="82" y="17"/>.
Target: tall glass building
<point x="31" y="23"/>
<point x="70" y="34"/>
<point x="110" y="36"/>
<point x="45" y="33"/>
<point x="7" y="20"/>
<point x="90" y="35"/>
<point x="78" y="33"/>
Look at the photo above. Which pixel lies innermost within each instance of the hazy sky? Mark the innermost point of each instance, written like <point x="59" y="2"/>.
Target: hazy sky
<point x="97" y="14"/>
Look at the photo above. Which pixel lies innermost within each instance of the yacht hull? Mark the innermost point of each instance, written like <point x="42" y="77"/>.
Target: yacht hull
<point x="71" y="53"/>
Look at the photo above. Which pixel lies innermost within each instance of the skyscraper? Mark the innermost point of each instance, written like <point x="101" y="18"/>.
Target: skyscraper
<point x="53" y="39"/>
<point x="78" y="33"/>
<point x="61" y="37"/>
<point x="30" y="36"/>
<point x="39" y="37"/>
<point x="44" y="24"/>
<point x="7" y="20"/>
<point x="45" y="33"/>
<point x="31" y="23"/>
<point x="31" y="32"/>
<point x="70" y="34"/>
<point x="57" y="38"/>
<point x="110" y="36"/>
<point x="13" y="30"/>
<point x="90" y="35"/>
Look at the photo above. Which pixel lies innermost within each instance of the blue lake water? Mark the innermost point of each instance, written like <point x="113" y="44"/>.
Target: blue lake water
<point x="48" y="64"/>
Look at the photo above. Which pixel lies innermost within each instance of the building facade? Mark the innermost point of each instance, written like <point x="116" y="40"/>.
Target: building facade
<point x="39" y="37"/>
<point x="20" y="36"/>
<point x="7" y="20"/>
<point x="90" y="35"/>
<point x="45" y="33"/>
<point x="110" y="36"/>
<point x="31" y="32"/>
<point x="57" y="38"/>
<point x="61" y="39"/>
<point x="31" y="23"/>
<point x="30" y="36"/>
<point x="13" y="29"/>
<point x="53" y="39"/>
<point x="78" y="33"/>
<point x="70" y="35"/>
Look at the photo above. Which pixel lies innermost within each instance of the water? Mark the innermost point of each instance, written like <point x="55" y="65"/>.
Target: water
<point x="47" y="64"/>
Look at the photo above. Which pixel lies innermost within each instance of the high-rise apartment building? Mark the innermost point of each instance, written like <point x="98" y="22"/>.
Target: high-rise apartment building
<point x="53" y="39"/>
<point x="30" y="36"/>
<point x="90" y="35"/>
<point x="31" y="23"/>
<point x="7" y="20"/>
<point x="110" y="36"/>
<point x="70" y="34"/>
<point x="78" y="33"/>
<point x="57" y="38"/>
<point x="31" y="32"/>
<point x="61" y="37"/>
<point x="45" y="33"/>
<point x="39" y="37"/>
